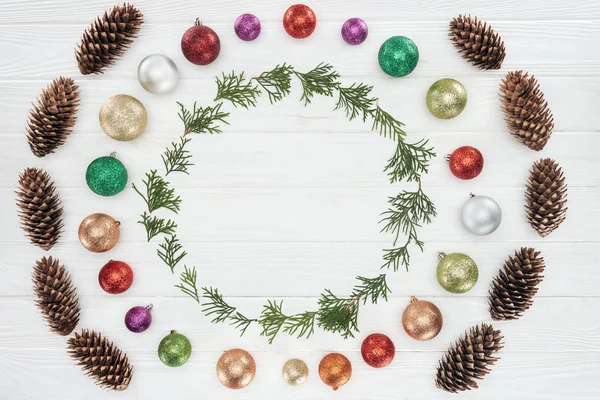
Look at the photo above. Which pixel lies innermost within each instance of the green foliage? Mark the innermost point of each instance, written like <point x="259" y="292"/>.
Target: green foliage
<point x="171" y="251"/>
<point x="237" y="90"/>
<point x="216" y="307"/>
<point x="203" y="119"/>
<point x="273" y="320"/>
<point x="321" y="80"/>
<point x="355" y="100"/>
<point x="158" y="194"/>
<point x="276" y="82"/>
<point x="188" y="283"/>
<point x="409" y="161"/>
<point x="176" y="158"/>
<point x="155" y="226"/>
<point x="387" y="126"/>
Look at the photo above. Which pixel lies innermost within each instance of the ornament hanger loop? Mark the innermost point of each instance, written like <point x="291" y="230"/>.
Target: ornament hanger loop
<point x="198" y="22"/>
<point x="441" y="255"/>
<point x="113" y="154"/>
<point x="413" y="299"/>
<point x="149" y="307"/>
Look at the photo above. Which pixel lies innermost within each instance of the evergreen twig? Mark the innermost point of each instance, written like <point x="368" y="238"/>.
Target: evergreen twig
<point x="222" y="312"/>
<point x="158" y="194"/>
<point x="276" y="82"/>
<point x="387" y="126"/>
<point x="155" y="226"/>
<point x="188" y="283"/>
<point x="355" y="100"/>
<point x="409" y="161"/>
<point x="202" y="119"/>
<point x="233" y="88"/>
<point x="177" y="158"/>
<point x="321" y="80"/>
<point x="171" y="251"/>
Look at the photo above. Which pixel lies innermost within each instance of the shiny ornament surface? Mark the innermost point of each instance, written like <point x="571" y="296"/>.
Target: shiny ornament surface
<point x="466" y="162"/>
<point x="99" y="232"/>
<point x="138" y="319"/>
<point x="457" y="272"/>
<point x="158" y="74"/>
<point x="295" y="372"/>
<point x="422" y="319"/>
<point x="123" y="117"/>
<point x="174" y="350"/>
<point x="236" y="369"/>
<point x="247" y="27"/>
<point x="200" y="44"/>
<point x="115" y="277"/>
<point x="299" y="21"/>
<point x="335" y="370"/>
<point x="446" y="98"/>
<point x="481" y="215"/>
<point x="106" y="176"/>
<point x="398" y="56"/>
<point x="355" y="31"/>
<point x="378" y="350"/>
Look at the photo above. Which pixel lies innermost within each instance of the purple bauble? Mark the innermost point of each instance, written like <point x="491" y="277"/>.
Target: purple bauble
<point x="355" y="31"/>
<point x="138" y="319"/>
<point x="247" y="27"/>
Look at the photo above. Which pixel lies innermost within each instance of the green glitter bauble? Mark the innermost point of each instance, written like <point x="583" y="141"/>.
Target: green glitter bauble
<point x="398" y="56"/>
<point x="174" y="350"/>
<point x="457" y="272"/>
<point x="446" y="98"/>
<point x="106" y="176"/>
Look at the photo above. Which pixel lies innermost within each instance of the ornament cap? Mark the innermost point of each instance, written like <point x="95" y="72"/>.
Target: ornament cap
<point x="114" y="155"/>
<point x="198" y="22"/>
<point x="441" y="255"/>
<point x="447" y="157"/>
<point x="471" y="195"/>
<point x="149" y="307"/>
<point x="413" y="299"/>
<point x="173" y="332"/>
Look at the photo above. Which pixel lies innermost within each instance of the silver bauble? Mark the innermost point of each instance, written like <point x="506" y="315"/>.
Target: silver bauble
<point x="158" y="74"/>
<point x="481" y="215"/>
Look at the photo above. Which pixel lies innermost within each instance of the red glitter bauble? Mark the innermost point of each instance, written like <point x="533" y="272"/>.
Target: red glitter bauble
<point x="115" y="277"/>
<point x="299" y="21"/>
<point x="378" y="350"/>
<point x="466" y="162"/>
<point x="200" y="44"/>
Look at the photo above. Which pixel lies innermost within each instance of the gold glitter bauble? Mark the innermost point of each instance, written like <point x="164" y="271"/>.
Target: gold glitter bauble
<point x="335" y="370"/>
<point x="446" y="98"/>
<point x="295" y="372"/>
<point x="99" y="232"/>
<point x="457" y="272"/>
<point x="123" y="117"/>
<point x="422" y="320"/>
<point x="236" y="369"/>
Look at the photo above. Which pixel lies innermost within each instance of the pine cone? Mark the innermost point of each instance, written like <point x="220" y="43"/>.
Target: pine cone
<point x="56" y="295"/>
<point x="108" y="38"/>
<point x="40" y="209"/>
<point x="469" y="359"/>
<point x="477" y="42"/>
<point x="546" y="196"/>
<point x="526" y="112"/>
<point x="51" y="119"/>
<point x="101" y="360"/>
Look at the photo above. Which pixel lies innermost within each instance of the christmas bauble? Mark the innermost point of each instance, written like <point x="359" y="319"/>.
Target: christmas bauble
<point x="295" y="372"/>
<point x="355" y="31"/>
<point x="398" y="56"/>
<point x="481" y="215"/>
<point x="123" y="117"/>
<point x="378" y="350"/>
<point x="174" y="350"/>
<point x="236" y="369"/>
<point x="200" y="44"/>
<point x="138" y="319"/>
<point x="158" y="74"/>
<point x="466" y="162"/>
<point x="99" y="232"/>
<point x="457" y="272"/>
<point x="115" y="277"/>
<point x="299" y="21"/>
<point x="106" y="176"/>
<point x="422" y="320"/>
<point x="247" y="27"/>
<point x="446" y="98"/>
<point x="335" y="370"/>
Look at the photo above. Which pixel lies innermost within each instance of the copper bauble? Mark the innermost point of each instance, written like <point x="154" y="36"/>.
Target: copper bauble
<point x="335" y="370"/>
<point x="236" y="369"/>
<point x="466" y="162"/>
<point x="299" y="21"/>
<point x="295" y="372"/>
<point x="115" y="277"/>
<point x="422" y="320"/>
<point x="99" y="232"/>
<point x="378" y="350"/>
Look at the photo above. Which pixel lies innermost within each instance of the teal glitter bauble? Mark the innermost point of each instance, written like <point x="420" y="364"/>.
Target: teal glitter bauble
<point x="174" y="350"/>
<point x="106" y="176"/>
<point x="398" y="56"/>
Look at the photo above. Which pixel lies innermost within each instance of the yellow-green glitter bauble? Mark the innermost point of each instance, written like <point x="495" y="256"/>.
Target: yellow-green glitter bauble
<point x="398" y="56"/>
<point x="106" y="176"/>
<point x="123" y="117"/>
<point x="446" y="98"/>
<point x="174" y="350"/>
<point x="457" y="272"/>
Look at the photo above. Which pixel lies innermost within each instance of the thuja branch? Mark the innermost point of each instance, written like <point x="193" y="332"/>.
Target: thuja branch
<point x="237" y="90"/>
<point x="215" y="306"/>
<point x="155" y="226"/>
<point x="276" y="82"/>
<point x="356" y="100"/>
<point x="177" y="158"/>
<point x="321" y="80"/>
<point x="188" y="283"/>
<point x="158" y="194"/>
<point x="409" y="161"/>
<point x="171" y="251"/>
<point x="202" y="119"/>
<point x="273" y="320"/>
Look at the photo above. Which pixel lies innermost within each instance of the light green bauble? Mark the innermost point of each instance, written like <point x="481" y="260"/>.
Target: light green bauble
<point x="174" y="350"/>
<point x="398" y="56"/>
<point x="106" y="176"/>
<point x="457" y="272"/>
<point x="446" y="98"/>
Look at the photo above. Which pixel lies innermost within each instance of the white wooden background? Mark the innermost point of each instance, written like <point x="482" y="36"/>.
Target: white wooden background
<point x="286" y="201"/>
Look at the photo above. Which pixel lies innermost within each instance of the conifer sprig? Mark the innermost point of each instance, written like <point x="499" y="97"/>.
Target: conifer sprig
<point x="177" y="158"/>
<point x="171" y="251"/>
<point x="321" y="80"/>
<point x="202" y="119"/>
<point x="276" y="82"/>
<point x="237" y="90"/>
<point x="356" y="100"/>
<point x="158" y="193"/>
<point x="188" y="283"/>
<point x="215" y="306"/>
<point x="155" y="226"/>
<point x="410" y="161"/>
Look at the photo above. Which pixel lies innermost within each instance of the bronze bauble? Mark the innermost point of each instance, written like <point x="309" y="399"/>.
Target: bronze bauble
<point x="99" y="232"/>
<point x="335" y="370"/>
<point x="422" y="320"/>
<point x="236" y="369"/>
<point x="295" y="372"/>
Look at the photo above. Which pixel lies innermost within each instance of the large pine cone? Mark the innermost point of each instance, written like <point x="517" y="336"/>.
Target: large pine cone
<point x="108" y="38"/>
<point x="101" y="360"/>
<point x="513" y="289"/>
<point x="477" y="42"/>
<point x="40" y="209"/>
<point x="546" y="196"/>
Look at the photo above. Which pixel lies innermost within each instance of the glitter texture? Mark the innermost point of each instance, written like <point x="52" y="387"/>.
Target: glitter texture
<point x="247" y="27"/>
<point x="236" y="369"/>
<point x="398" y="56"/>
<point x="138" y="319"/>
<point x="115" y="277"/>
<point x="422" y="320"/>
<point x="295" y="372"/>
<point x="466" y="162"/>
<point x="200" y="45"/>
<point x="99" y="232"/>
<point x="106" y="176"/>
<point x="378" y="350"/>
<point x="299" y="21"/>
<point x="457" y="272"/>
<point x="174" y="350"/>
<point x="446" y="98"/>
<point x="335" y="370"/>
<point x="123" y="117"/>
<point x="355" y="31"/>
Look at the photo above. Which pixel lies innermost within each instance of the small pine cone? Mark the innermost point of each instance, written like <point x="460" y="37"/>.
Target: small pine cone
<point x="51" y="119"/>
<point x="101" y="360"/>
<point x="526" y="112"/>
<point x="546" y="196"/>
<point x="477" y="42"/>
<point x="56" y="295"/>
<point x="469" y="359"/>
<point x="513" y="289"/>
<point x="108" y="38"/>
<point x="40" y="209"/>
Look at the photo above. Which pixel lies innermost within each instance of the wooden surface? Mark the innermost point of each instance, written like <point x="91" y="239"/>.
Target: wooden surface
<point x="286" y="201"/>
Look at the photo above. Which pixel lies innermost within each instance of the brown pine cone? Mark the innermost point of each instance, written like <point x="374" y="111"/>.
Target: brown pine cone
<point x="477" y="42"/>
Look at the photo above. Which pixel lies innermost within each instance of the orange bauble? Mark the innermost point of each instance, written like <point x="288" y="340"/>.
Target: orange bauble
<point x="335" y="370"/>
<point x="299" y="21"/>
